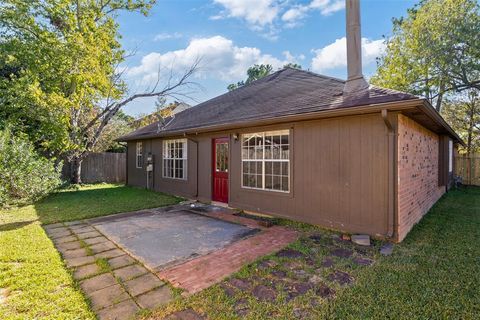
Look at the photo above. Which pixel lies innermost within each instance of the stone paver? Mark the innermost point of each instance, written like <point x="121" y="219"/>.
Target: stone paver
<point x="80" y="261"/>
<point x="110" y="254"/>
<point x="87" y="235"/>
<point x="121" y="311"/>
<point x="130" y="272"/>
<point x="75" y="223"/>
<point x="101" y="247"/>
<point x="96" y="240"/>
<point x="86" y="271"/>
<point x="107" y="296"/>
<point x="98" y="282"/>
<point x="155" y="298"/>
<point x="83" y="229"/>
<point x="53" y="226"/>
<point x="64" y="239"/>
<point x="120" y="261"/>
<point x="75" y="253"/>
<point x="69" y="245"/>
<point x="143" y="284"/>
<point x="200" y="273"/>
<point x="59" y="233"/>
<point x="187" y="314"/>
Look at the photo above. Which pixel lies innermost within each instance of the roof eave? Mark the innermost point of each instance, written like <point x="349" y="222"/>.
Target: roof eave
<point x="429" y="110"/>
<point x="363" y="109"/>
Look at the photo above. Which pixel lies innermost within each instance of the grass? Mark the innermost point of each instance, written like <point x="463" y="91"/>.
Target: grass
<point x="34" y="282"/>
<point x="98" y="200"/>
<point x="433" y="274"/>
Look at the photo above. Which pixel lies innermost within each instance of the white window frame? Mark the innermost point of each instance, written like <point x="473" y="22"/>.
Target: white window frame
<point x="263" y="160"/>
<point x="139" y="154"/>
<point x="184" y="158"/>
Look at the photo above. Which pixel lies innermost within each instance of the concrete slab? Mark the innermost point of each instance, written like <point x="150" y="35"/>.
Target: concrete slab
<point x="160" y="238"/>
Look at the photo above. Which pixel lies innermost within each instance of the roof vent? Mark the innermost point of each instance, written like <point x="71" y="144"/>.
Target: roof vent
<point x="355" y="81"/>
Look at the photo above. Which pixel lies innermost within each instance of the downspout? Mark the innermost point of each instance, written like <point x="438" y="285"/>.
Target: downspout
<point x="392" y="185"/>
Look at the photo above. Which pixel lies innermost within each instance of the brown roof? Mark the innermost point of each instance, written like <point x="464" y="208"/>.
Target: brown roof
<point x="283" y="93"/>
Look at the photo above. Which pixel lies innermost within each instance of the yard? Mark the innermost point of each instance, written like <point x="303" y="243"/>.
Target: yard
<point x="434" y="273"/>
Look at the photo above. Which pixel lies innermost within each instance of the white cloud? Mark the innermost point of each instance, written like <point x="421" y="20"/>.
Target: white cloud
<point x="334" y="55"/>
<point x="258" y="13"/>
<point x="220" y="58"/>
<point x="293" y="16"/>
<point x="261" y="15"/>
<point x="167" y="36"/>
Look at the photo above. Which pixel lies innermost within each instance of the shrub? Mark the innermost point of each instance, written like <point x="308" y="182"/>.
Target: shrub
<point x="25" y="176"/>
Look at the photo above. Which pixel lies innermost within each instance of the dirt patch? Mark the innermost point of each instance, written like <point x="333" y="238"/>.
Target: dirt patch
<point x="341" y="277"/>
<point x="324" y="291"/>
<point x="240" y="284"/>
<point x="3" y="295"/>
<point x="341" y="253"/>
<point x="264" y="293"/>
<point x="363" y="261"/>
<point x="241" y="307"/>
<point x="187" y="314"/>
<point x="328" y="262"/>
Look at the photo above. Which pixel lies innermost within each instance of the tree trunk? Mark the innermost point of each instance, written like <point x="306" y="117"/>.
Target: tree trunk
<point x="76" y="170"/>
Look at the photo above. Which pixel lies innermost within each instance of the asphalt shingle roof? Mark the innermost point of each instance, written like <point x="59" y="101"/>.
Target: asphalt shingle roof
<point x="285" y="92"/>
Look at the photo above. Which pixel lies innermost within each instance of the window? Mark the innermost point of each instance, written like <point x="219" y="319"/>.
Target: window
<point x="139" y="153"/>
<point x="266" y="161"/>
<point x="175" y="159"/>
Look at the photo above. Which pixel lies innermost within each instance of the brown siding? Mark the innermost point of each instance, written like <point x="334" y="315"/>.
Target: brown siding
<point x="135" y="177"/>
<point x="339" y="176"/>
<point x="418" y="173"/>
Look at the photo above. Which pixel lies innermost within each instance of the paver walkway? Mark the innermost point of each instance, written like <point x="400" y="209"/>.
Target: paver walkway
<point x="198" y="274"/>
<point x="118" y="285"/>
<point x="115" y="283"/>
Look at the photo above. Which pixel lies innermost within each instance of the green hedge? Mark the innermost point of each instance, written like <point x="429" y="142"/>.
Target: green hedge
<point x="25" y="176"/>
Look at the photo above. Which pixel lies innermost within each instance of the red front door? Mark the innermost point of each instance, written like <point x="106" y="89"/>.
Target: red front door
<point x="220" y="170"/>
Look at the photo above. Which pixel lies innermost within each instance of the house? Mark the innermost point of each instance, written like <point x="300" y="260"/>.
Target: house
<point x="339" y="154"/>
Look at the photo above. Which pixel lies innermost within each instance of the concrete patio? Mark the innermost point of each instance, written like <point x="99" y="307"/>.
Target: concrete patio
<point x="128" y="262"/>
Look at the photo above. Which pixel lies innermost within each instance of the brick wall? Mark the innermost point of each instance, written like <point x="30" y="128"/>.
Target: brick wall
<point x="418" y="186"/>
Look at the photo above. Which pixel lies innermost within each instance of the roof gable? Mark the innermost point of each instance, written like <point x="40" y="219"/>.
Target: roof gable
<point x="285" y="92"/>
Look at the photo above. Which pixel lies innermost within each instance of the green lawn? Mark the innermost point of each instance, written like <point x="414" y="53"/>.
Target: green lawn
<point x="433" y="274"/>
<point x="36" y="281"/>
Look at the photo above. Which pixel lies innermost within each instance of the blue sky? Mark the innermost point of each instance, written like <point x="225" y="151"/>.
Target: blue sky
<point x="231" y="35"/>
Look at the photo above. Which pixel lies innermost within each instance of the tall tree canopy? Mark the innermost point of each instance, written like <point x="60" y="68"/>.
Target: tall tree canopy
<point x="60" y="80"/>
<point x="463" y="113"/>
<point x="434" y="51"/>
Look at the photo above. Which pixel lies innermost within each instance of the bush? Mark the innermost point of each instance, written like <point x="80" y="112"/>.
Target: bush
<point x="25" y="176"/>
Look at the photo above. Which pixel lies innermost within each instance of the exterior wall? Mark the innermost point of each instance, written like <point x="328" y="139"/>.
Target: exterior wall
<point x="418" y="173"/>
<point x="338" y="177"/>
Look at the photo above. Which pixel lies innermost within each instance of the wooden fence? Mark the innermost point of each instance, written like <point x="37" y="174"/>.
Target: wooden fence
<point x="102" y="167"/>
<point x="468" y="168"/>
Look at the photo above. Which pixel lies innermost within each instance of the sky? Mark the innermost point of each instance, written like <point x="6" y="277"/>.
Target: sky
<point x="228" y="36"/>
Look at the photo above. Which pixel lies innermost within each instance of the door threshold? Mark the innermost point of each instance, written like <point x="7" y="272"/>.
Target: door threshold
<point x="219" y="204"/>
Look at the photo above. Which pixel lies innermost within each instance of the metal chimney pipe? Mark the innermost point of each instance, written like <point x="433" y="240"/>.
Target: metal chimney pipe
<point x="355" y="81"/>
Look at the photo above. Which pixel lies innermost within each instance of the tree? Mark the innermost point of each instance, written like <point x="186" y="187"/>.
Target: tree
<point x="463" y="114"/>
<point x="434" y="51"/>
<point x="162" y="111"/>
<point x="61" y="82"/>
<point x="120" y="125"/>
<point x="257" y="72"/>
